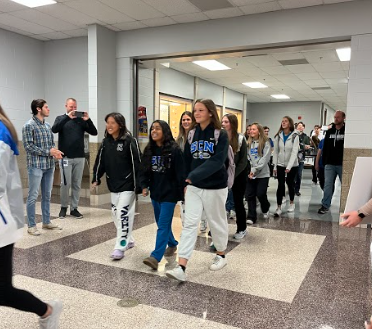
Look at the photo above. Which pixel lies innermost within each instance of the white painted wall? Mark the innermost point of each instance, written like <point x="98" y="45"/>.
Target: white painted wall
<point x="210" y="90"/>
<point x="330" y="113"/>
<point x="176" y="83"/>
<point x="21" y="76"/>
<point x="271" y="114"/>
<point x="359" y="97"/>
<point x="66" y="74"/>
<point x="234" y="99"/>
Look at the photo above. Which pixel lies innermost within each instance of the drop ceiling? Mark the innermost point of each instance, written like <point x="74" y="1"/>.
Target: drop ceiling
<point x="324" y="77"/>
<point x="70" y="18"/>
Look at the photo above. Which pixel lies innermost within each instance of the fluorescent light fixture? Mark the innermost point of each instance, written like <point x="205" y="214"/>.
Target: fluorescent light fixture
<point x="35" y="3"/>
<point x="280" y="96"/>
<point x="175" y="104"/>
<point x="254" y="85"/>
<point x="165" y="64"/>
<point x="344" y="54"/>
<point x="212" y="65"/>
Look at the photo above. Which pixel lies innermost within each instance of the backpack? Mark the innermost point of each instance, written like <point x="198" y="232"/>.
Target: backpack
<point x="230" y="168"/>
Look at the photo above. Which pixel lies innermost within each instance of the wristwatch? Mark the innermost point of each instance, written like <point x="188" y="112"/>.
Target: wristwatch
<point x="361" y="215"/>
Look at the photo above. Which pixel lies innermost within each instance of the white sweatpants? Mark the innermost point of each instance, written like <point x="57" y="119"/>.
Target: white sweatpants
<point x="213" y="203"/>
<point x="123" y="208"/>
<point x="182" y="214"/>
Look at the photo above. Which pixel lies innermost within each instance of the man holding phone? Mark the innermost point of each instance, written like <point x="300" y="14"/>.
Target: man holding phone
<point x="71" y="128"/>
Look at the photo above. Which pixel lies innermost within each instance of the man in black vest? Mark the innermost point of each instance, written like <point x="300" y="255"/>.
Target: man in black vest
<point x="71" y="128"/>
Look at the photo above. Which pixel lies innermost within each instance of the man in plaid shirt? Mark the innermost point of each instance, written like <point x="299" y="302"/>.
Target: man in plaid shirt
<point x="39" y="144"/>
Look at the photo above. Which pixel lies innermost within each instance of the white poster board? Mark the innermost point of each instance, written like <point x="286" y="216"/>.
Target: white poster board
<point x="360" y="187"/>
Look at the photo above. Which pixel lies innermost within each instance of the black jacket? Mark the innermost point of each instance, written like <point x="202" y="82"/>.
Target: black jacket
<point x="115" y="159"/>
<point x="71" y="134"/>
<point x="333" y="149"/>
<point x="205" y="161"/>
<point x="165" y="180"/>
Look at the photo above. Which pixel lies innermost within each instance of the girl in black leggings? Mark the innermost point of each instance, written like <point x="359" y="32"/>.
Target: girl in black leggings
<point x="11" y="229"/>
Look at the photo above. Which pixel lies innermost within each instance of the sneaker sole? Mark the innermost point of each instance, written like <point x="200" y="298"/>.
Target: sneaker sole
<point x="174" y="277"/>
<point x="217" y="269"/>
<point x="77" y="217"/>
<point x="34" y="234"/>
<point x="149" y="264"/>
<point x="52" y="229"/>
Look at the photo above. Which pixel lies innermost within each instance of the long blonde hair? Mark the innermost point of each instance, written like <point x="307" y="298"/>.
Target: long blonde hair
<point x="262" y="138"/>
<point x="5" y="120"/>
<point x="211" y="107"/>
<point x="234" y="139"/>
<point x="182" y="135"/>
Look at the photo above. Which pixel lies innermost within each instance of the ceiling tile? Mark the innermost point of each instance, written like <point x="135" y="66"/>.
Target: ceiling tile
<point x="337" y="81"/>
<point x="77" y="33"/>
<point x="316" y="83"/>
<point x="116" y="29"/>
<point x="263" y="61"/>
<point x="287" y="56"/>
<point x="189" y="18"/>
<point x="345" y="66"/>
<point x="275" y="70"/>
<point x="40" y="18"/>
<point x="334" y="75"/>
<point x="158" y="21"/>
<point x="7" y="6"/>
<point x="309" y="76"/>
<point x="297" y="84"/>
<point x="260" y="8"/>
<point x="249" y="2"/>
<point x="69" y="14"/>
<point x="39" y="37"/>
<point x="55" y="35"/>
<point x="14" y="29"/>
<point x="329" y="67"/>
<point x="319" y="57"/>
<point x="288" y="4"/>
<point x="100" y="11"/>
<point x="21" y="24"/>
<point x="224" y="13"/>
<point x="301" y="68"/>
<point x="286" y="77"/>
<point x="335" y="1"/>
<point x="173" y="7"/>
<point x="130" y="26"/>
<point x="134" y="8"/>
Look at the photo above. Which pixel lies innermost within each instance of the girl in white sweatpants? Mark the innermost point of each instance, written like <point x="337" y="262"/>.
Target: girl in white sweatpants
<point x="118" y="157"/>
<point x="205" y="156"/>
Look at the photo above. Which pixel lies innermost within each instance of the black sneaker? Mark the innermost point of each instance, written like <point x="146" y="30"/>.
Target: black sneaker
<point x="298" y="193"/>
<point x="75" y="213"/>
<point x="62" y="213"/>
<point x="322" y="210"/>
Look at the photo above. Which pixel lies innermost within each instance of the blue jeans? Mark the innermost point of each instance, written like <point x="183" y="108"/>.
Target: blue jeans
<point x="37" y="177"/>
<point x="299" y="177"/>
<point x="330" y="173"/>
<point x="163" y="215"/>
<point x="230" y="201"/>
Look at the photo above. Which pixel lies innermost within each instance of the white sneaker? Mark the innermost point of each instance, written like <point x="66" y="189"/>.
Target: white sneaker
<point x="177" y="274"/>
<point x="240" y="235"/>
<point x="51" y="322"/>
<point x="277" y="212"/>
<point x="284" y="200"/>
<point x="51" y="226"/>
<point x="250" y="221"/>
<point x="291" y="207"/>
<point x="232" y="214"/>
<point x="227" y="214"/>
<point x="266" y="215"/>
<point x="218" y="263"/>
<point x="203" y="226"/>
<point x="33" y="231"/>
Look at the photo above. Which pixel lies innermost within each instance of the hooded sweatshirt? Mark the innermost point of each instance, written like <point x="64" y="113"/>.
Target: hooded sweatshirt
<point x="259" y="162"/>
<point x="205" y="159"/>
<point x="333" y="149"/>
<point x="115" y="159"/>
<point x="12" y="219"/>
<point x="285" y="154"/>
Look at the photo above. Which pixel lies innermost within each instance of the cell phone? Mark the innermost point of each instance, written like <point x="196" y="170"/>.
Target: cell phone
<point x="79" y="114"/>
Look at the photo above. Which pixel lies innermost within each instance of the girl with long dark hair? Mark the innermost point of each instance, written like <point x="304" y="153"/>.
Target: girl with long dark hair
<point x="12" y="221"/>
<point x="259" y="152"/>
<point x="239" y="146"/>
<point x="184" y="127"/>
<point x="118" y="157"/>
<point x="286" y="147"/>
<point x="163" y="175"/>
<point x="205" y="156"/>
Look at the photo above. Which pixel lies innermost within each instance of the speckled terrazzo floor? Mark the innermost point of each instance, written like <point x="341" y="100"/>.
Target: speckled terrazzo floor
<point x="288" y="273"/>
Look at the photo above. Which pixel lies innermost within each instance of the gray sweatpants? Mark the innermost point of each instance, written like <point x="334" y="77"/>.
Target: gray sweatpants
<point x="73" y="169"/>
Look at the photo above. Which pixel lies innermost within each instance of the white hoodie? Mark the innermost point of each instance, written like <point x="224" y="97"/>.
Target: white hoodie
<point x="285" y="154"/>
<point x="11" y="201"/>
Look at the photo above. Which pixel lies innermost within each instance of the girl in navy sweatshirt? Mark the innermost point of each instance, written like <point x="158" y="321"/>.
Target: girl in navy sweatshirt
<point x="205" y="157"/>
<point x="118" y="157"/>
<point x="162" y="173"/>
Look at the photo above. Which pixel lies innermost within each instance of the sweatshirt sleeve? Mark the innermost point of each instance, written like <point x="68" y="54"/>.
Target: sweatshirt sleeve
<point x="99" y="165"/>
<point x="28" y="142"/>
<point x="264" y="160"/>
<point x="294" y="153"/>
<point x="58" y="125"/>
<point x="242" y="162"/>
<point x="137" y="162"/>
<point x="276" y="151"/>
<point x="179" y="169"/>
<point x="187" y="159"/>
<point x="90" y="128"/>
<point x="215" y="163"/>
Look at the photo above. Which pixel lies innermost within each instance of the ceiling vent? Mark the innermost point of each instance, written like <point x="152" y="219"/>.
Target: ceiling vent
<point x="294" y="62"/>
<point x="321" y="88"/>
<point x="205" y="5"/>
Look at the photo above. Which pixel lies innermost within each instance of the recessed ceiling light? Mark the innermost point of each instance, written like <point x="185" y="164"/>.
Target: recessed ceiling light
<point x="165" y="64"/>
<point x="280" y="96"/>
<point x="35" y="3"/>
<point x="344" y="54"/>
<point x="212" y="65"/>
<point x="254" y="84"/>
